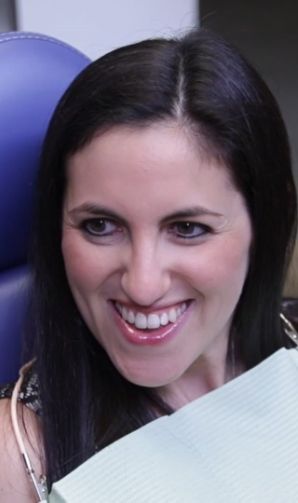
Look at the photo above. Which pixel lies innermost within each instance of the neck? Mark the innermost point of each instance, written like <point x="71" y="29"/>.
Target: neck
<point x="209" y="372"/>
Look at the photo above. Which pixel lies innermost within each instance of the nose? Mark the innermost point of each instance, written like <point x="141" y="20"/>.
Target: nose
<point x="145" y="278"/>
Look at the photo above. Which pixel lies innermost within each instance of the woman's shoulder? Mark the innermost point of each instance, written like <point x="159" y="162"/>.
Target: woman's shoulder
<point x="15" y="484"/>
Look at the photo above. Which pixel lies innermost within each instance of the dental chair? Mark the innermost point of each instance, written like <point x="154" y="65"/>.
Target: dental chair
<point x="35" y="70"/>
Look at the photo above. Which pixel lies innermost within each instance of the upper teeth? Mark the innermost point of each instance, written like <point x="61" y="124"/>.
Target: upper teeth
<point x="152" y="320"/>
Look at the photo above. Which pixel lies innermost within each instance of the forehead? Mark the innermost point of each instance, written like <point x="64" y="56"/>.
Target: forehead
<point x="147" y="147"/>
<point x="161" y="163"/>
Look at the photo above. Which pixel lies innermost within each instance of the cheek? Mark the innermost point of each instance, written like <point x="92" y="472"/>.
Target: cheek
<point x="220" y="268"/>
<point x="84" y="268"/>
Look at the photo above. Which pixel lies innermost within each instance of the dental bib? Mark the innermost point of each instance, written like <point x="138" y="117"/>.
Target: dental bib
<point x="237" y="444"/>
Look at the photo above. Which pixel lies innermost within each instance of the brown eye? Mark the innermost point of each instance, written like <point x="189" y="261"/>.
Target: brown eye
<point x="99" y="227"/>
<point x="188" y="230"/>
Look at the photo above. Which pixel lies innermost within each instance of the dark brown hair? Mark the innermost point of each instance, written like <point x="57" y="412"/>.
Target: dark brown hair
<point x="86" y="403"/>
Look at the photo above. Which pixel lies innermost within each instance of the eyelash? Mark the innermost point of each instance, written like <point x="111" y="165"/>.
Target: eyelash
<point x="181" y="230"/>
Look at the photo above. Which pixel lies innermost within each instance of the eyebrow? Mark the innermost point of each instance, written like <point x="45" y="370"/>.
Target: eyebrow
<point x="96" y="210"/>
<point x="193" y="211"/>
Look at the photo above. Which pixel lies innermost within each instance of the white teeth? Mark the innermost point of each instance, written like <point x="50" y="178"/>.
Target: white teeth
<point x="164" y="319"/>
<point x="153" y="320"/>
<point x="125" y="313"/>
<point x="172" y="315"/>
<point x="141" y="321"/>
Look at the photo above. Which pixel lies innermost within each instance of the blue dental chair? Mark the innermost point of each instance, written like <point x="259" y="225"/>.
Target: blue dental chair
<point x="35" y="70"/>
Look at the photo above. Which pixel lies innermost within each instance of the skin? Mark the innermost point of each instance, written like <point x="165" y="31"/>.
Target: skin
<point x="147" y="259"/>
<point x="15" y="485"/>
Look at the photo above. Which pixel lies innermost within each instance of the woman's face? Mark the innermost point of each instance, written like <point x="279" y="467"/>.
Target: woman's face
<point x="156" y="246"/>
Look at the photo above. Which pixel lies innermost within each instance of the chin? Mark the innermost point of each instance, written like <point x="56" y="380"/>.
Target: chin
<point x="147" y="380"/>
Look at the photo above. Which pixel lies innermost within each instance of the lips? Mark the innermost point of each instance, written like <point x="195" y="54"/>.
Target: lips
<point x="150" y="328"/>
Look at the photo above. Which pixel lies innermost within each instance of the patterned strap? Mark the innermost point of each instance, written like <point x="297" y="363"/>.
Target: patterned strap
<point x="29" y="393"/>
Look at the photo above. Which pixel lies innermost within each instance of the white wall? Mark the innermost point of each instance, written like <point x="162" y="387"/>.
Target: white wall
<point x="97" y="26"/>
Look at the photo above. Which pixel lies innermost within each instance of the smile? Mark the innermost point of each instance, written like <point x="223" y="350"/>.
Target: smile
<point x="153" y="320"/>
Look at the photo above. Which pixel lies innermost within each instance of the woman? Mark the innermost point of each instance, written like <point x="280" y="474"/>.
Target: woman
<point x="165" y="222"/>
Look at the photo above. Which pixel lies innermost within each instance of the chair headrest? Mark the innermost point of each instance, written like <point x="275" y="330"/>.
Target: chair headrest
<point x="35" y="71"/>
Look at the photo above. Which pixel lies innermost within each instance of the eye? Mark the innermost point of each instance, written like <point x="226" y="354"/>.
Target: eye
<point x="188" y="230"/>
<point x="100" y="227"/>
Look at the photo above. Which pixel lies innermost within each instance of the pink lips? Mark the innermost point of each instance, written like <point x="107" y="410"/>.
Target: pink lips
<point x="149" y="337"/>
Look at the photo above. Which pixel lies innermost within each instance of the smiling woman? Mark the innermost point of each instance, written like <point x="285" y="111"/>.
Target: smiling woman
<point x="165" y="221"/>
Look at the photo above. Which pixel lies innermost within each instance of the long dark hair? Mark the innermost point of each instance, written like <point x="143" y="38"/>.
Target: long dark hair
<point x="202" y="80"/>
